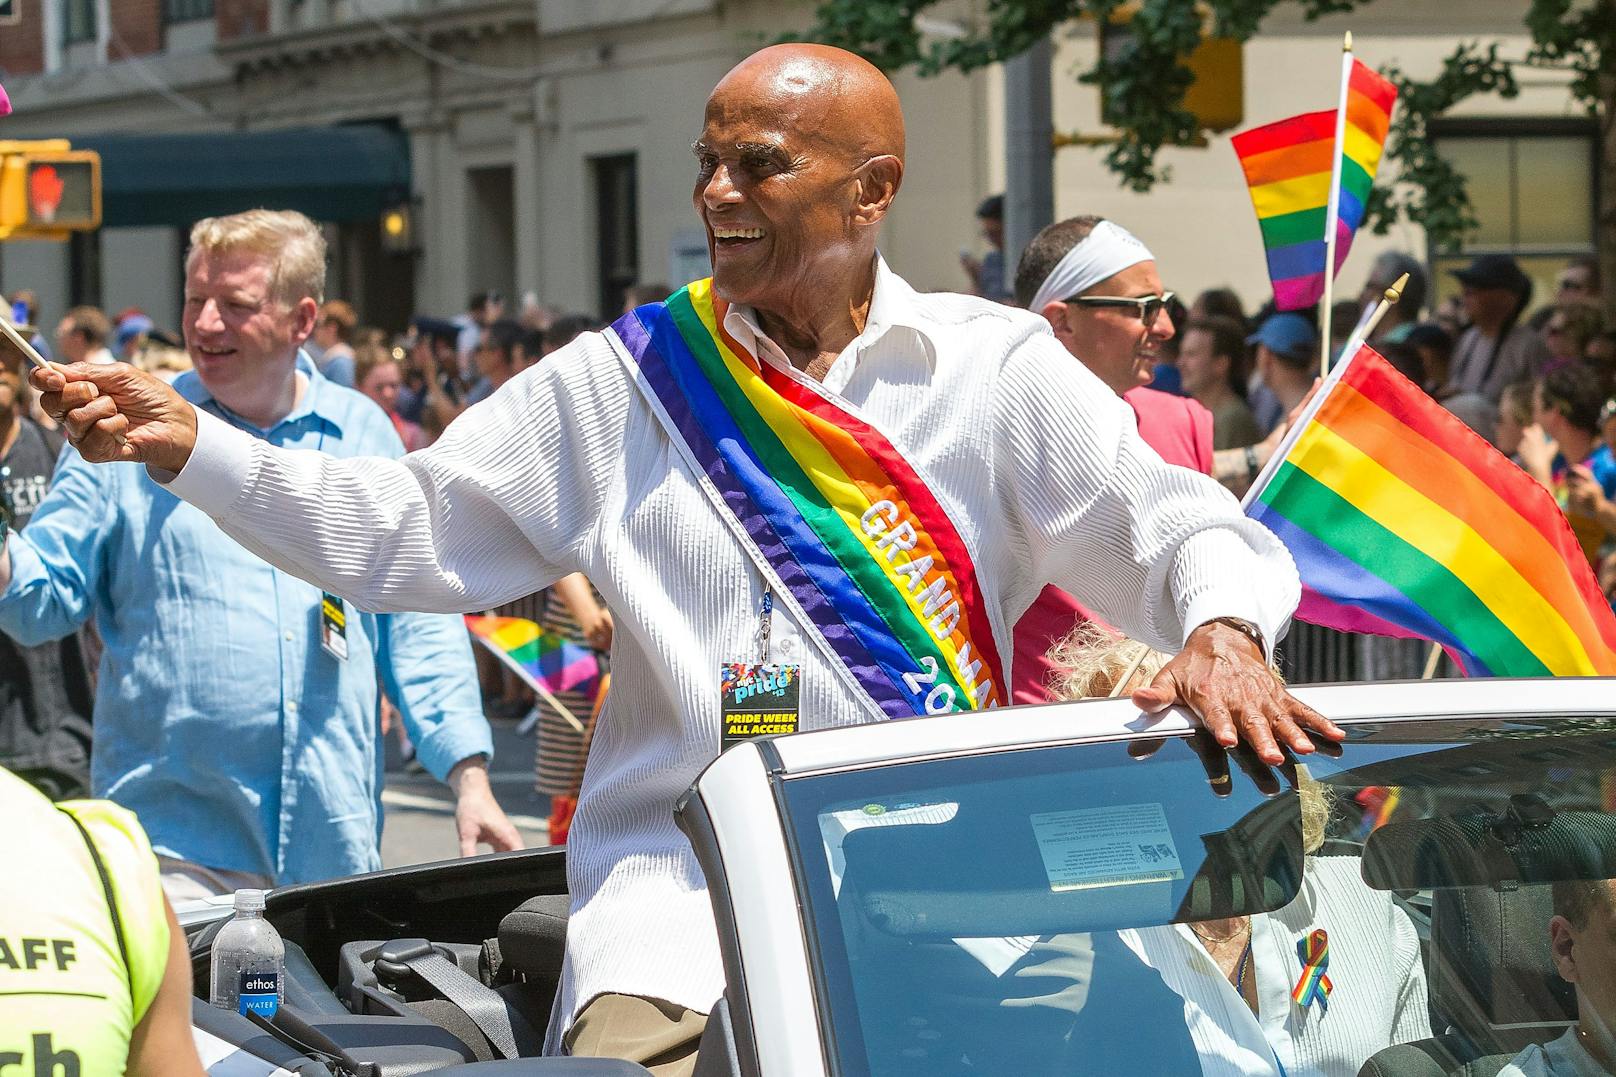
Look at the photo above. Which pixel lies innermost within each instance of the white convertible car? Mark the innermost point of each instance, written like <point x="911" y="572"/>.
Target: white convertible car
<point x="1066" y="889"/>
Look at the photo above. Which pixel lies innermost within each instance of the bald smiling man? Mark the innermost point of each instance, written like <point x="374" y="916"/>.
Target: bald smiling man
<point x="678" y="460"/>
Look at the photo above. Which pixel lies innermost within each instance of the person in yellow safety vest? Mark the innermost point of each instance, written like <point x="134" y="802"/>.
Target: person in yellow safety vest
<point x="94" y="974"/>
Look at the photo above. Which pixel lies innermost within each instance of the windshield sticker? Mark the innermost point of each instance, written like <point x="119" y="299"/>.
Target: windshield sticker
<point x="1119" y="845"/>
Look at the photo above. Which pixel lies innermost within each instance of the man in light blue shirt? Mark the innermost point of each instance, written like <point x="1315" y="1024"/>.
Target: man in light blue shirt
<point x="237" y="707"/>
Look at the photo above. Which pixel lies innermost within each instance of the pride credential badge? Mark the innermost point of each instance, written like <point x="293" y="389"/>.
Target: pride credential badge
<point x="759" y="699"/>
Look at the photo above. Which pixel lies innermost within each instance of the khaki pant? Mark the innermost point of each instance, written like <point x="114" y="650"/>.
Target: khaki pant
<point x="658" y="1035"/>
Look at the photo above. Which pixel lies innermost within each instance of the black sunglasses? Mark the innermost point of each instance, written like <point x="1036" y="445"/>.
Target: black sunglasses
<point x="1149" y="306"/>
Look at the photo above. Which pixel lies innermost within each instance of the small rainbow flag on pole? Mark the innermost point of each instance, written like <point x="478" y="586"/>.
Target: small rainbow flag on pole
<point x="1404" y="522"/>
<point x="1291" y="168"/>
<point x="547" y="660"/>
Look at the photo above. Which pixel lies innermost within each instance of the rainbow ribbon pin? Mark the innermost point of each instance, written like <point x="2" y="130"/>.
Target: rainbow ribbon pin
<point x="1314" y="952"/>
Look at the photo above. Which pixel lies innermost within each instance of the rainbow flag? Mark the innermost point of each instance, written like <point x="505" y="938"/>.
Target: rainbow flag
<point x="1379" y="803"/>
<point x="1289" y="166"/>
<point x="852" y="530"/>
<point x="553" y="663"/>
<point x="1404" y="522"/>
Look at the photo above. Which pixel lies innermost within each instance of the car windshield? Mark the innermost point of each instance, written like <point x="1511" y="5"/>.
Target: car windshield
<point x="1161" y="907"/>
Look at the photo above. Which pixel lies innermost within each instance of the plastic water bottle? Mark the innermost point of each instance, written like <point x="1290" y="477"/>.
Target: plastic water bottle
<point x="249" y="960"/>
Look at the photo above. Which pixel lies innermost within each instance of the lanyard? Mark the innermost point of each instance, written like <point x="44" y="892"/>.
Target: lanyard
<point x="765" y="626"/>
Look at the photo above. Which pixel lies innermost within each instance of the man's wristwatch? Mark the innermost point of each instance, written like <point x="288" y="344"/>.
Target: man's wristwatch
<point x="1245" y="628"/>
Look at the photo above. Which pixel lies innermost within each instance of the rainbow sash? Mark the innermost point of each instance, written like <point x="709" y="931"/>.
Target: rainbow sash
<point x="840" y="519"/>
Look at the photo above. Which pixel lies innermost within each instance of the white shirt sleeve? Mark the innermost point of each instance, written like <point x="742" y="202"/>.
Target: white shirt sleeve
<point x="498" y="508"/>
<point x="1156" y="550"/>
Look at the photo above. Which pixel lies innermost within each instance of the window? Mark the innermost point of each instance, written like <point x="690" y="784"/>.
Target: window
<point x="1081" y="908"/>
<point x="617" y="229"/>
<point x="78" y="21"/>
<point x="491" y="229"/>
<point x="186" y="10"/>
<point x="1507" y="167"/>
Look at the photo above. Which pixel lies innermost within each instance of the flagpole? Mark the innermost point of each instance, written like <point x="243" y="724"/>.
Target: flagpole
<point x="1431" y="661"/>
<point x="1127" y="674"/>
<point x="1332" y="214"/>
<point x="1387" y="298"/>
<point x="1354" y="343"/>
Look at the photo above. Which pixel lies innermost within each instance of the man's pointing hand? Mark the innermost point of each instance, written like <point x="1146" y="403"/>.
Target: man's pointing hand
<point x="114" y="411"/>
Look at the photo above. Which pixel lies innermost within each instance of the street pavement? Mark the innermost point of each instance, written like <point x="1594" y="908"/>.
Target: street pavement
<point x="419" y="825"/>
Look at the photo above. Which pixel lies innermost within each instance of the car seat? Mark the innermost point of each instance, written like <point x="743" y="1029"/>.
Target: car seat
<point x="495" y="998"/>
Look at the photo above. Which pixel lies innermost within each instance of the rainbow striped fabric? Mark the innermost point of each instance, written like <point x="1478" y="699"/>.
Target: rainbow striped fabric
<point x="1403" y="522"/>
<point x="848" y="525"/>
<point x="556" y="664"/>
<point x="1288" y="166"/>
<point x="1314" y="986"/>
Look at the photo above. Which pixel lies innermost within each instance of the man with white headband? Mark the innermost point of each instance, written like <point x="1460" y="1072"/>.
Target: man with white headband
<point x="1096" y="284"/>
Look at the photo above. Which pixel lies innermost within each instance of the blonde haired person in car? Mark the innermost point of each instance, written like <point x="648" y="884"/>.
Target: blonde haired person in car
<point x="94" y="974"/>
<point x="1236" y="974"/>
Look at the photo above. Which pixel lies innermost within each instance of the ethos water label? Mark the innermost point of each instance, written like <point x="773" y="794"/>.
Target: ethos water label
<point x="260" y="994"/>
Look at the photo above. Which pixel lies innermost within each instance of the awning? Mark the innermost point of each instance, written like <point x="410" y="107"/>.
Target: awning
<point x="343" y="173"/>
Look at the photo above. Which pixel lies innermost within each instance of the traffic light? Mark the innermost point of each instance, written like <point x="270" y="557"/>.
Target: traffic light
<point x="48" y="189"/>
<point x="1216" y="97"/>
<point x="398" y="229"/>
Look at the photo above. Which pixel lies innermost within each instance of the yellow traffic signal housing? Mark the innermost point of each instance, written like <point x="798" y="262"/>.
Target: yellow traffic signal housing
<point x="48" y="190"/>
<point x="1216" y="97"/>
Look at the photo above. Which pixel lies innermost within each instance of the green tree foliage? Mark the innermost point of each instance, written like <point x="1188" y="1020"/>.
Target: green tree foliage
<point x="1145" y="79"/>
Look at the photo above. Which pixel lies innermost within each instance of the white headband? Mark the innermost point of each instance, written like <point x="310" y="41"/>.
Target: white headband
<point x="1104" y="252"/>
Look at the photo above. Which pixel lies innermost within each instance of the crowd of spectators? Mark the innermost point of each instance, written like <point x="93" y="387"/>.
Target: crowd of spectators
<point x="1535" y="376"/>
<point x="1537" y="381"/>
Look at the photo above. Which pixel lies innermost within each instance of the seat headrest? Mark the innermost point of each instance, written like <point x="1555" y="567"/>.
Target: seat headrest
<point x="533" y="936"/>
<point x="1491" y="976"/>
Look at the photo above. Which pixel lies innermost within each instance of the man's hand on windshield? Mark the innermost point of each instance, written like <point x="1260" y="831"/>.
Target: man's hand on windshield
<point x="1055" y="975"/>
<point x="114" y="411"/>
<point x="478" y="816"/>
<point x="1224" y="678"/>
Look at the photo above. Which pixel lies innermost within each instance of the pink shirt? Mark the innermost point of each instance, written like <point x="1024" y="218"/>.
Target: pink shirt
<point x="1180" y="430"/>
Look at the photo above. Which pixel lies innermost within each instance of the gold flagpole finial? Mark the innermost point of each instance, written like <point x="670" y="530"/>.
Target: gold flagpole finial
<point x="1395" y="292"/>
<point x="1346" y="46"/>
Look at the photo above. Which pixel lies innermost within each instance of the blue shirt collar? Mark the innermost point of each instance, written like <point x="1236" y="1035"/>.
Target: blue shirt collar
<point x="316" y="404"/>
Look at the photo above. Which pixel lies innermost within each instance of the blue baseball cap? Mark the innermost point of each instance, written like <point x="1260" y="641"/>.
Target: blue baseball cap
<point x="130" y="328"/>
<point x="1289" y="335"/>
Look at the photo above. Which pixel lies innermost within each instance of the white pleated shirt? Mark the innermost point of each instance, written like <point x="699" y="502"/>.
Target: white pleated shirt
<point x="567" y="469"/>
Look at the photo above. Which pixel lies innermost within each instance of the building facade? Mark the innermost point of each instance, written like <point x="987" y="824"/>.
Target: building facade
<point x="543" y="145"/>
